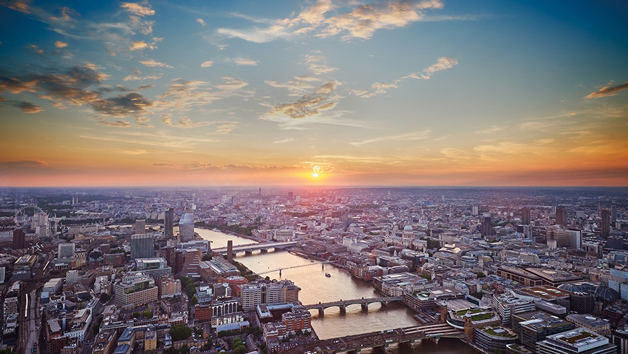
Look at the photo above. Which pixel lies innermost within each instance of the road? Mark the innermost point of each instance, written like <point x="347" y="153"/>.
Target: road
<point x="28" y="329"/>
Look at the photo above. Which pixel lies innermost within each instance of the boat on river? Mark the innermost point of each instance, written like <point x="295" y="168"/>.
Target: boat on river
<point x="328" y="275"/>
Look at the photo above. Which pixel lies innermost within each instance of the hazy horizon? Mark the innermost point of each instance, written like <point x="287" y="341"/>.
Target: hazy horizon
<point x="313" y="93"/>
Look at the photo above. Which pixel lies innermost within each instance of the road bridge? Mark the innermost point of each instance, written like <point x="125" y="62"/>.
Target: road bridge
<point x="410" y="336"/>
<point x="342" y="304"/>
<point x="252" y="247"/>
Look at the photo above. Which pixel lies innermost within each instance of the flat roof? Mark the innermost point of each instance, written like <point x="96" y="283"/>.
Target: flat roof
<point x="545" y="292"/>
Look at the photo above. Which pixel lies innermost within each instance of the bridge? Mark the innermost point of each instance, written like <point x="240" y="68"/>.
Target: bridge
<point x="250" y="248"/>
<point x="292" y="267"/>
<point x="409" y="336"/>
<point x="342" y="304"/>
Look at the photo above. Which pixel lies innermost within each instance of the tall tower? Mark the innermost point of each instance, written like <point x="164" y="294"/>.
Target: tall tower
<point x="561" y="216"/>
<point x="525" y="216"/>
<point x="168" y="223"/>
<point x="487" y="225"/>
<point x="140" y="226"/>
<point x="142" y="246"/>
<point x="19" y="239"/>
<point x="229" y="251"/>
<point x="186" y="226"/>
<point x="606" y="223"/>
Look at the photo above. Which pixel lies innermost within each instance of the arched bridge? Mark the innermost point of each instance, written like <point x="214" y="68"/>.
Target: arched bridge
<point x="255" y="247"/>
<point x="409" y="336"/>
<point x="342" y="304"/>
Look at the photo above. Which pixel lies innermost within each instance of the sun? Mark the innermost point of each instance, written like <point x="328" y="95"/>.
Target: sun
<point x="315" y="174"/>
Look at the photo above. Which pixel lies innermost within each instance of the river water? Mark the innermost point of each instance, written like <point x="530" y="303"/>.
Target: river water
<point x="316" y="287"/>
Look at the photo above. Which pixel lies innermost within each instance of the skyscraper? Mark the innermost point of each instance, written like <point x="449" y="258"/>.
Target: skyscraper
<point x="168" y="223"/>
<point x="487" y="225"/>
<point x="186" y="226"/>
<point x="140" y="226"/>
<point x="605" y="226"/>
<point x="19" y="239"/>
<point x="525" y="216"/>
<point x="142" y="246"/>
<point x="561" y="216"/>
<point x="230" y="251"/>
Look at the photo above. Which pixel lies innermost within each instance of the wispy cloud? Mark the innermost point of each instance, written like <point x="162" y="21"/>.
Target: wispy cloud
<point x="207" y="64"/>
<point x="201" y="21"/>
<point x="116" y="124"/>
<point x="60" y="44"/>
<point x="361" y="21"/>
<point x="155" y="64"/>
<point x="138" y="9"/>
<point x="443" y="63"/>
<point x="282" y="141"/>
<point x="377" y="88"/>
<point x="26" y="107"/>
<point x="419" y="135"/>
<point x="491" y="130"/>
<point x="309" y="104"/>
<point x="136" y="76"/>
<point x="317" y="64"/>
<point x="183" y="122"/>
<point x="607" y="91"/>
<point x="241" y="61"/>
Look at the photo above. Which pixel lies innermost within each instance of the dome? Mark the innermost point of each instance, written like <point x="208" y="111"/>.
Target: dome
<point x="407" y="228"/>
<point x="572" y="288"/>
<point x="606" y="294"/>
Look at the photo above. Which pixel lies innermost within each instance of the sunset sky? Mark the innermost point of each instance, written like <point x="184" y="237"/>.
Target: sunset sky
<point x="439" y="92"/>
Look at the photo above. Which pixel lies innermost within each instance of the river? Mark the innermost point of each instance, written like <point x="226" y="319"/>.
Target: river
<point x="316" y="287"/>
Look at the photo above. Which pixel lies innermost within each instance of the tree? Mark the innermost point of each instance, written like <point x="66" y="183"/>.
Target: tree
<point x="207" y="257"/>
<point x="190" y="289"/>
<point x="136" y="315"/>
<point x="147" y="314"/>
<point x="481" y="275"/>
<point x="180" y="332"/>
<point x="194" y="300"/>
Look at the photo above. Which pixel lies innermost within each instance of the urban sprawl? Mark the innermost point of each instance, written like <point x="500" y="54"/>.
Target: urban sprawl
<point x="506" y="270"/>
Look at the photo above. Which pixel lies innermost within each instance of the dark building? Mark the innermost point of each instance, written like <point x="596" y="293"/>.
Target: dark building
<point x="230" y="251"/>
<point x="615" y="242"/>
<point x="487" y="226"/>
<point x="19" y="239"/>
<point x="168" y="223"/>
<point x="613" y="214"/>
<point x="606" y="223"/>
<point x="561" y="216"/>
<point x="582" y="303"/>
<point x="525" y="216"/>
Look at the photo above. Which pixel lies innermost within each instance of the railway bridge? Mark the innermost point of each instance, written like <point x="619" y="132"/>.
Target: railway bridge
<point x="409" y="336"/>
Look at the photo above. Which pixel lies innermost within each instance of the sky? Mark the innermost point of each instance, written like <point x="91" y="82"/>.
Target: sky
<point x="318" y="92"/>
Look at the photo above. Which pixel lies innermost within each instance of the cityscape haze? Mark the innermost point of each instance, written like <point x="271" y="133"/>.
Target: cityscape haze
<point x="314" y="177"/>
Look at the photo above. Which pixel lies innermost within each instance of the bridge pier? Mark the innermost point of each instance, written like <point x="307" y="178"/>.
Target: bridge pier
<point x="391" y="348"/>
<point x="343" y="309"/>
<point x="321" y="312"/>
<point x="365" y="307"/>
<point x="279" y="273"/>
<point x="436" y="339"/>
<point x="248" y="253"/>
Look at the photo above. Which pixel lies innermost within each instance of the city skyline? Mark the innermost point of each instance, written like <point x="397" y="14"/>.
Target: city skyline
<point x="336" y="93"/>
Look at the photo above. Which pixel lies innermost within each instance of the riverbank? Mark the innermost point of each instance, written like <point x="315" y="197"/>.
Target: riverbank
<point x="228" y="232"/>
